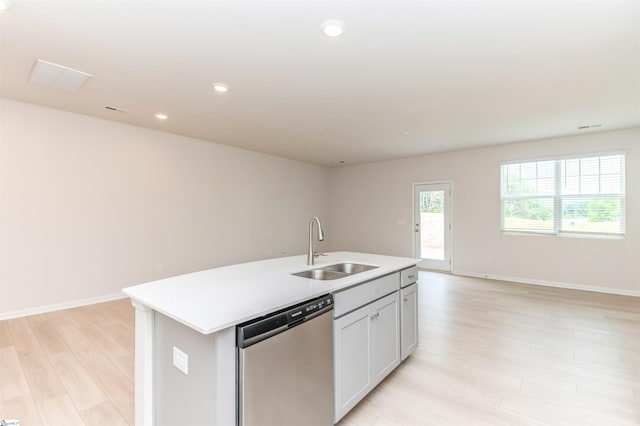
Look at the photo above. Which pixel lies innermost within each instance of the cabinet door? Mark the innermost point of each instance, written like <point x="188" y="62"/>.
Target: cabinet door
<point x="352" y="359"/>
<point x="385" y="318"/>
<point x="409" y="314"/>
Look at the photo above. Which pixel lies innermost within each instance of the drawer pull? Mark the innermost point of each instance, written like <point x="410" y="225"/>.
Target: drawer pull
<point x="411" y="276"/>
<point x="374" y="316"/>
<point x="405" y="299"/>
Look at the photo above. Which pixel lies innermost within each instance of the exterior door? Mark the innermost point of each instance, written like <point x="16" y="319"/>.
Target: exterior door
<point x="432" y="225"/>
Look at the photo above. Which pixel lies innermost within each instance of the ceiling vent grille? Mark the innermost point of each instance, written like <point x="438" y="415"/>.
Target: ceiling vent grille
<point x="112" y="108"/>
<point x="57" y="76"/>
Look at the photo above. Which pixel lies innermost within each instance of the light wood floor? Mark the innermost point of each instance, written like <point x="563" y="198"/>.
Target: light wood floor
<point x="491" y="353"/>
<point x="72" y="367"/>
<point x="496" y="353"/>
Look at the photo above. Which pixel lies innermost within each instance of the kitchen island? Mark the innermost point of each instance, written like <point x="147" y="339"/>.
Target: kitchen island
<point x="199" y="312"/>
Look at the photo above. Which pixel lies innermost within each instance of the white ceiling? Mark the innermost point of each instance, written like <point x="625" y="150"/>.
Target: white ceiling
<point x="406" y="78"/>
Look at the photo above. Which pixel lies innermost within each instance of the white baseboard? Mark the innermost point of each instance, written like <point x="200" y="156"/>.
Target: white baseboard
<point x="608" y="290"/>
<point x="60" y="306"/>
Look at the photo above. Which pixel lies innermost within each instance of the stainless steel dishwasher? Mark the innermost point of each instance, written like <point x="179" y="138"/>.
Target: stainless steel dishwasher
<point x="285" y="367"/>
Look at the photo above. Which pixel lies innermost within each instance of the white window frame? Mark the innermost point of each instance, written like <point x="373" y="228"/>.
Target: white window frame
<point x="558" y="197"/>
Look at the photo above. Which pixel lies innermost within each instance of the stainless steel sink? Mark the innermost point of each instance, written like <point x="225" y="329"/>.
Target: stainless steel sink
<point x="349" y="268"/>
<point x="334" y="272"/>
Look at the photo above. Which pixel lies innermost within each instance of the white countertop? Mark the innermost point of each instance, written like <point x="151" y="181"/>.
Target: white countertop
<point x="212" y="300"/>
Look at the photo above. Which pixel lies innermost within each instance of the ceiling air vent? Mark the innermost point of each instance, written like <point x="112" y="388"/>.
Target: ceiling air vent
<point x="112" y="108"/>
<point x="57" y="76"/>
<point x="590" y="126"/>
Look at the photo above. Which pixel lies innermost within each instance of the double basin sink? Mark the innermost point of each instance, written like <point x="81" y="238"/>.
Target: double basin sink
<point x="334" y="272"/>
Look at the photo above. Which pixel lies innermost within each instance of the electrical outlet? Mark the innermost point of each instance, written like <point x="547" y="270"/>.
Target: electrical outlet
<point x="181" y="360"/>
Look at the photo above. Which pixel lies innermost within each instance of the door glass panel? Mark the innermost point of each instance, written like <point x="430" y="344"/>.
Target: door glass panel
<point x="432" y="225"/>
<point x="432" y="231"/>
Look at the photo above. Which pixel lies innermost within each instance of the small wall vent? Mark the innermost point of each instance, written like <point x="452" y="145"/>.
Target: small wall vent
<point x="57" y="76"/>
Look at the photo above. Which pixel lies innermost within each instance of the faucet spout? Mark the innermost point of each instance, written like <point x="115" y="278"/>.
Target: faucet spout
<point x="311" y="255"/>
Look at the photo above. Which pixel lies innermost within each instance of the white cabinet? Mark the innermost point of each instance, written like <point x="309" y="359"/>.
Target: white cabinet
<point x="386" y="336"/>
<point x="366" y="349"/>
<point x="409" y="318"/>
<point x="352" y="359"/>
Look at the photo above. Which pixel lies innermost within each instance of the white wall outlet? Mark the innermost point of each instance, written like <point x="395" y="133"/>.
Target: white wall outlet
<point x="181" y="360"/>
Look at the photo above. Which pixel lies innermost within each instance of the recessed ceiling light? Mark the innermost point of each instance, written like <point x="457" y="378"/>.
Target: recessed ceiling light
<point x="161" y="116"/>
<point x="220" y="87"/>
<point x="5" y="4"/>
<point x="406" y="133"/>
<point x="332" y="28"/>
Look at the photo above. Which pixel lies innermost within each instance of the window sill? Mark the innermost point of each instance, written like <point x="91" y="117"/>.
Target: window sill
<point x="566" y="235"/>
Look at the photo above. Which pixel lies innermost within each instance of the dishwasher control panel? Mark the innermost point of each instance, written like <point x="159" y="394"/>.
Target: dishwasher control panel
<point x="309" y="308"/>
<point x="261" y="328"/>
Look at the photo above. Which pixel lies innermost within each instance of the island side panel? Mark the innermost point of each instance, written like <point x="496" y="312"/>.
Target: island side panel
<point x="143" y="364"/>
<point x="225" y="377"/>
<point x="206" y="394"/>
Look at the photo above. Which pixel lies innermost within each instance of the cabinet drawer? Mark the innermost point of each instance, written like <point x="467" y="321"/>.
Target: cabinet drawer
<point x="409" y="276"/>
<point x="352" y="298"/>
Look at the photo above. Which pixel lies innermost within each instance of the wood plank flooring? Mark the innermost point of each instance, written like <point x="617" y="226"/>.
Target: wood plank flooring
<point x="497" y="353"/>
<point x="71" y="367"/>
<point x="491" y="353"/>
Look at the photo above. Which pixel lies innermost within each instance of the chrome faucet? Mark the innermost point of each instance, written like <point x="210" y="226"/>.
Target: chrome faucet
<point x="311" y="255"/>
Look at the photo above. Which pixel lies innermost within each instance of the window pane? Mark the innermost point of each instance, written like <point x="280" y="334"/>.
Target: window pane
<point x="528" y="187"/>
<point x="432" y="230"/>
<point x="589" y="166"/>
<point x="611" y="164"/>
<point x="546" y="169"/>
<point x="513" y="170"/>
<point x="571" y="185"/>
<point x="528" y="214"/>
<point x="546" y="186"/>
<point x="610" y="184"/>
<point x="535" y="178"/>
<point x="570" y="167"/>
<point x="528" y="171"/>
<point x="589" y="184"/>
<point x="591" y="214"/>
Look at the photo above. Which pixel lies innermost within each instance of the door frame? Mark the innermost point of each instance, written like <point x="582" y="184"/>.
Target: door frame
<point x="448" y="236"/>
